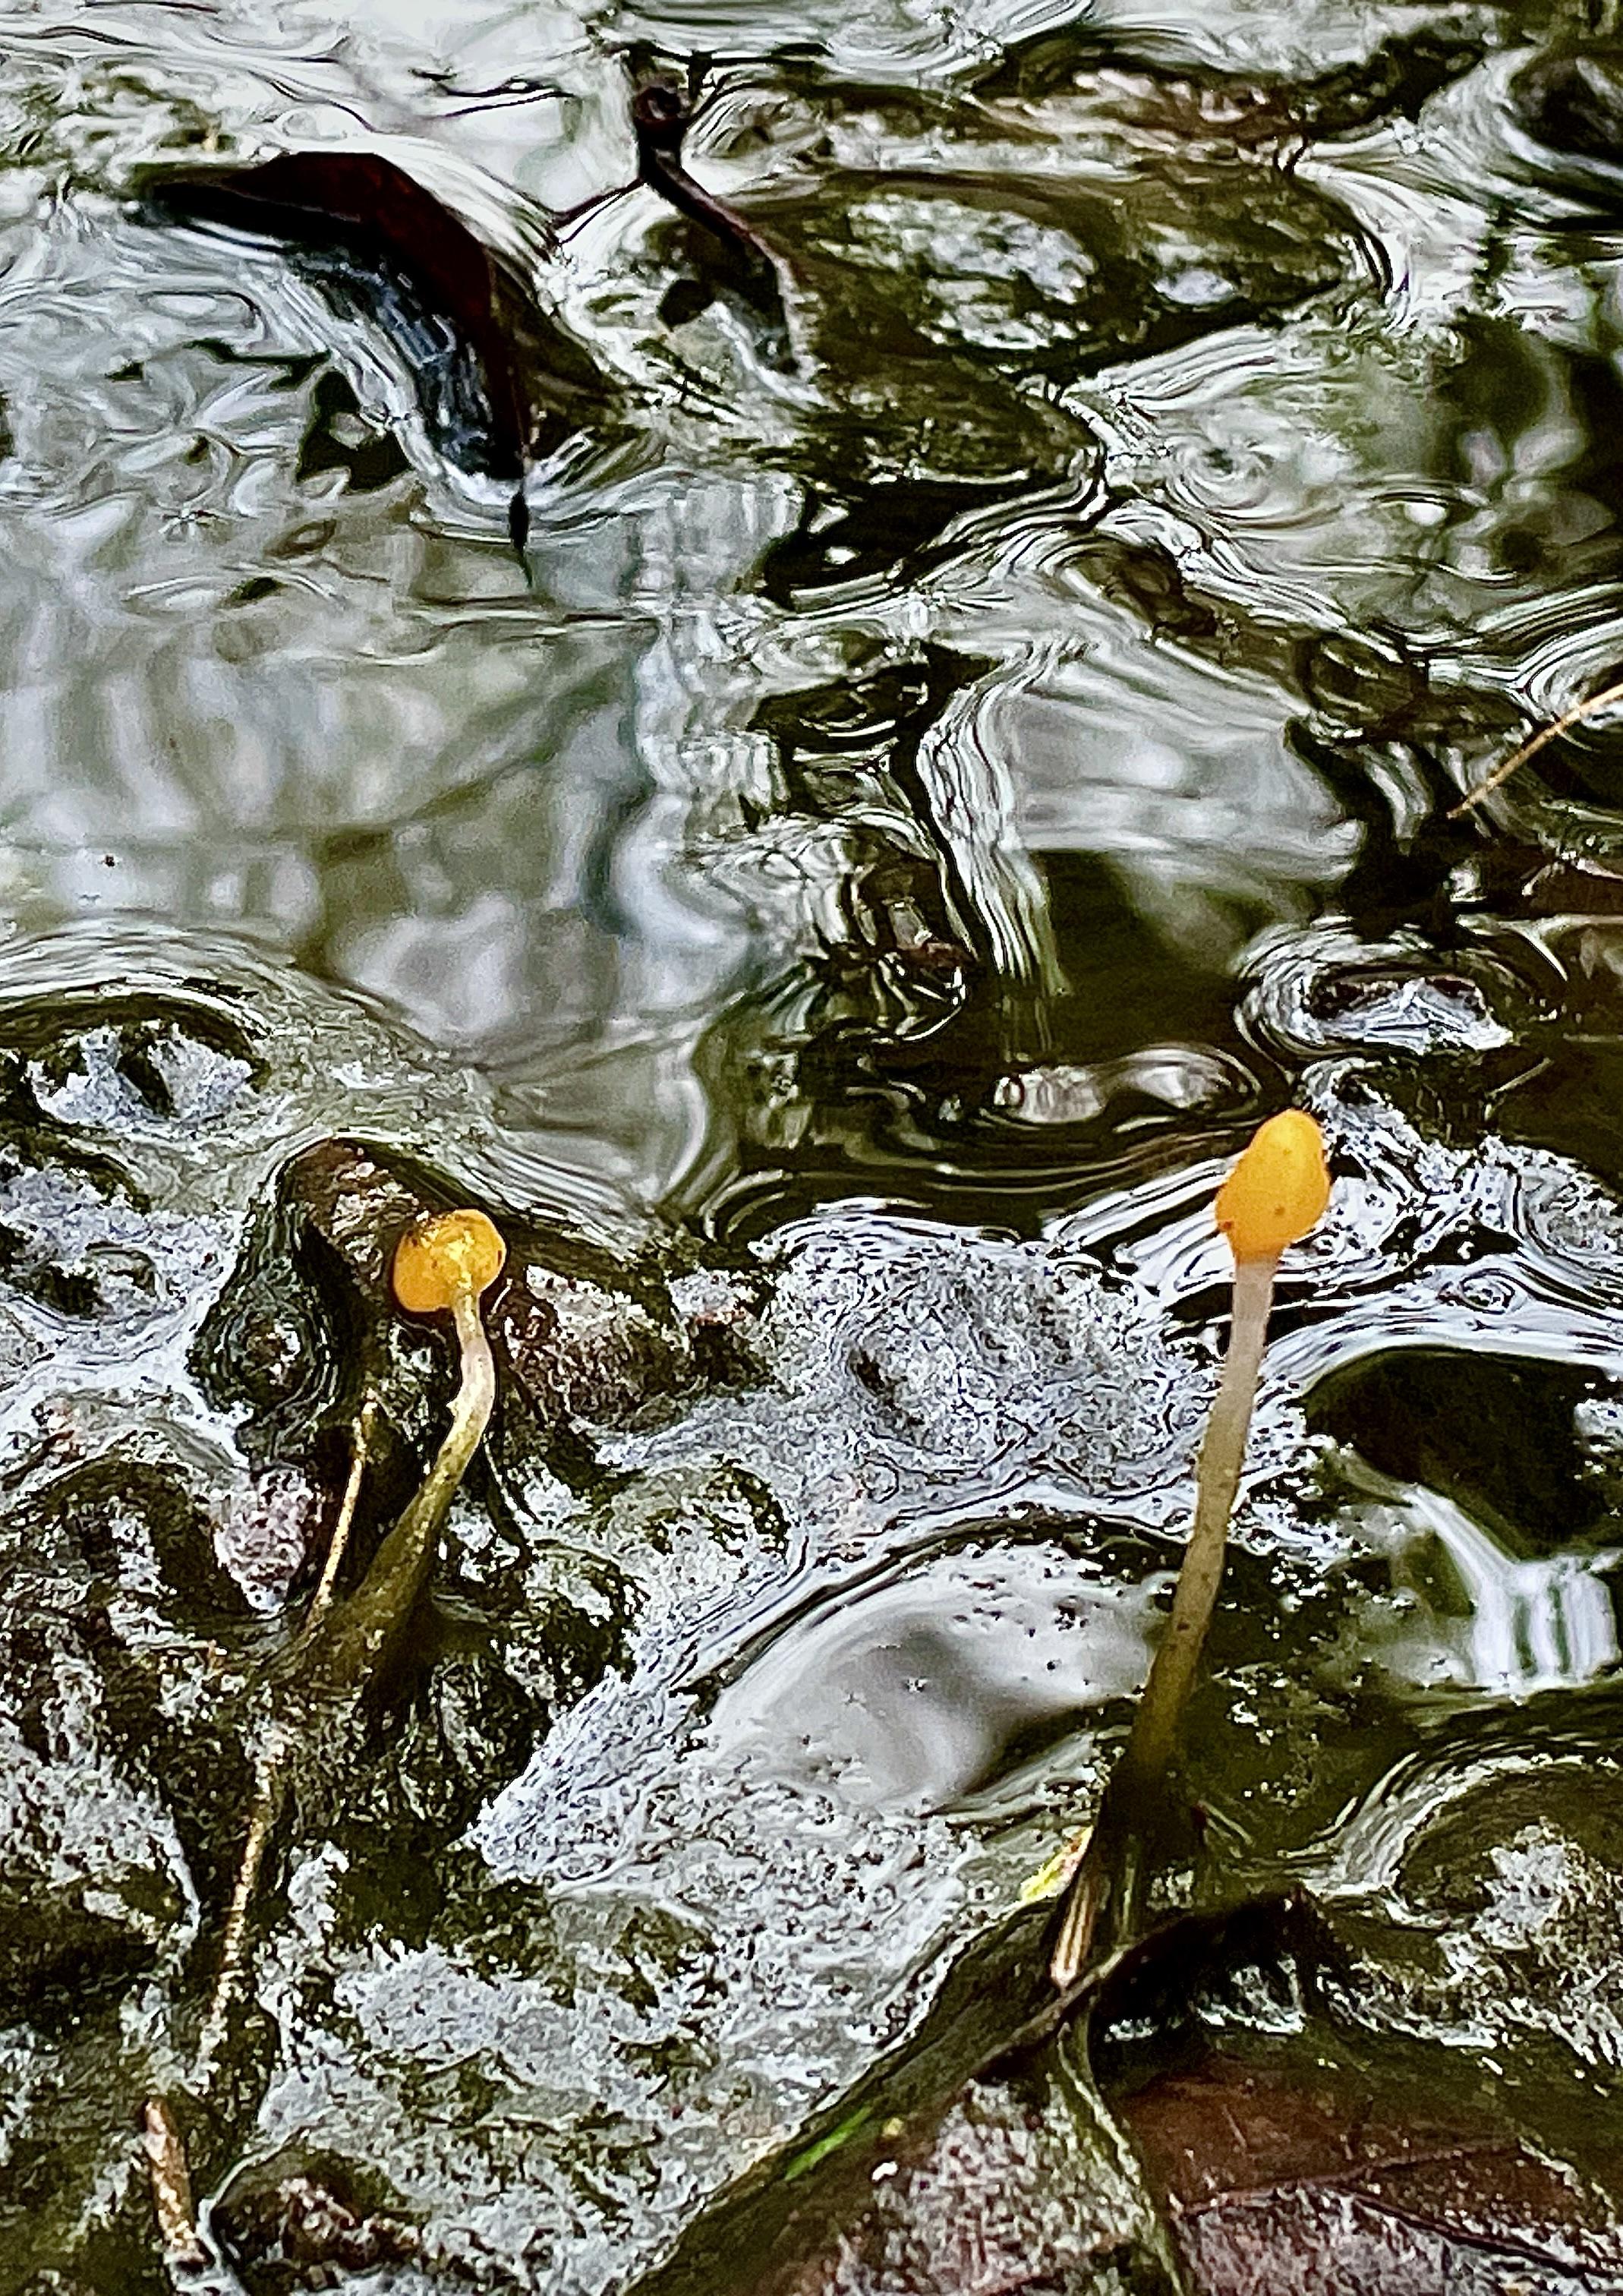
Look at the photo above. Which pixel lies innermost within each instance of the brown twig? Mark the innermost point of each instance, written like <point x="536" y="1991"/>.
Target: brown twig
<point x="321" y="1601"/>
<point x="166" y="2159"/>
<point x="268" y="1768"/>
<point x="1501" y="774"/>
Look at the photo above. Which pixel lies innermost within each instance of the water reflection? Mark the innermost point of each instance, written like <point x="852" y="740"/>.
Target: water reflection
<point x="941" y="1687"/>
<point x="1469" y="1615"/>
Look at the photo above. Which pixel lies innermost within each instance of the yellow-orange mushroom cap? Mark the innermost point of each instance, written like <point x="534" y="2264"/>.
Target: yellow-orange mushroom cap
<point x="457" y="1255"/>
<point x="1277" y="1194"/>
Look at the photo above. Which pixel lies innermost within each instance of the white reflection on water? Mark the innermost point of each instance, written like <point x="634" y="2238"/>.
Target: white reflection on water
<point x="920" y="1690"/>
<point x="1470" y="1614"/>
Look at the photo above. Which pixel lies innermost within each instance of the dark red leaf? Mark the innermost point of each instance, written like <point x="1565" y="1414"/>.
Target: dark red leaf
<point x="357" y="215"/>
<point x="1303" y="2191"/>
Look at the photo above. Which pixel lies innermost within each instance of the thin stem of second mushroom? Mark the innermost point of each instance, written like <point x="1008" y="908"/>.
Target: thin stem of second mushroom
<point x="1275" y="1194"/>
<point x="1154" y="1732"/>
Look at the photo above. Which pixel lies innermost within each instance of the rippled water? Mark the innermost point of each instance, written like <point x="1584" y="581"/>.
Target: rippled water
<point x="965" y="733"/>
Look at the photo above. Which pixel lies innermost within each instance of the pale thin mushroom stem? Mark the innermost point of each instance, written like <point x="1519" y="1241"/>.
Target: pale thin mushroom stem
<point x="1275" y="1194"/>
<point x="414" y="1534"/>
<point x="1138" y="1781"/>
<point x="355" y="1634"/>
<point x="1576" y="715"/>
<point x="1155" y="1731"/>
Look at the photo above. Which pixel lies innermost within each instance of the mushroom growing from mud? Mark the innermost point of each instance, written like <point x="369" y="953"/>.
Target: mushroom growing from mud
<point x="1275" y="1195"/>
<point x="444" y="1264"/>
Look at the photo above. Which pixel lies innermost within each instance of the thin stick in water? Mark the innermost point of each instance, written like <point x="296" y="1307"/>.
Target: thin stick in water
<point x="338" y="1545"/>
<point x="268" y="1768"/>
<point x="1501" y="774"/>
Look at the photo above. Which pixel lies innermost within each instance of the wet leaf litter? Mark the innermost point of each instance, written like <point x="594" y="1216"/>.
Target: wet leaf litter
<point x="1029" y="540"/>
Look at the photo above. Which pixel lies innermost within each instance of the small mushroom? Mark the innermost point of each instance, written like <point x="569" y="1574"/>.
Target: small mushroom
<point x="446" y="1264"/>
<point x="1275" y="1195"/>
<point x="450" y="1263"/>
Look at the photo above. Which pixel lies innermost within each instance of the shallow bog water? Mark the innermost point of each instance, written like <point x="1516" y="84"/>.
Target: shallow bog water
<point x="969" y="718"/>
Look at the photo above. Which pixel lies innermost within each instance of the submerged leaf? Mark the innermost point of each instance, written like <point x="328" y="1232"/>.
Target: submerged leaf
<point x="496" y="378"/>
<point x="1275" y="2184"/>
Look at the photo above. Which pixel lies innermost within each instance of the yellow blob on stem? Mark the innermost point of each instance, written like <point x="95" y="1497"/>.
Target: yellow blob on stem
<point x="1277" y="1194"/>
<point x="457" y="1255"/>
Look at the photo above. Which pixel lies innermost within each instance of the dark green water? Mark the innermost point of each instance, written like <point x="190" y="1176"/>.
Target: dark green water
<point x="969" y="730"/>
